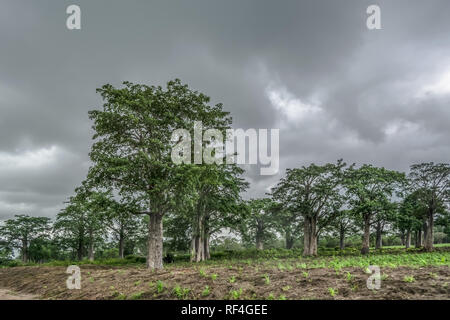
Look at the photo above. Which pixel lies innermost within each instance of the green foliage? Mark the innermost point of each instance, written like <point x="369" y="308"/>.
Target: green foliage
<point x="259" y="225"/>
<point x="181" y="293"/>
<point x="206" y="291"/>
<point x="160" y="286"/>
<point x="23" y="230"/>
<point x="136" y="296"/>
<point x="332" y="291"/>
<point x="321" y="183"/>
<point x="266" y="279"/>
<point x="236" y="294"/>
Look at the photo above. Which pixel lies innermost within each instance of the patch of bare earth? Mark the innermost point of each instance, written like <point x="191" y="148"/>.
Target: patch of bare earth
<point x="238" y="281"/>
<point x="10" y="295"/>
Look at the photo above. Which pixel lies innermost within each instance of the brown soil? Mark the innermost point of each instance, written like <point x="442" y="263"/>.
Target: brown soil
<point x="101" y="282"/>
<point x="9" y="295"/>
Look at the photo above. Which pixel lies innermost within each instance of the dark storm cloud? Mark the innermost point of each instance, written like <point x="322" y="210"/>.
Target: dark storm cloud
<point x="311" y="68"/>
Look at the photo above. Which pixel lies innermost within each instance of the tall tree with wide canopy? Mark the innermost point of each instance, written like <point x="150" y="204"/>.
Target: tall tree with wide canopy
<point x="133" y="146"/>
<point x="287" y="222"/>
<point x="80" y="225"/>
<point x="409" y="219"/>
<point x="315" y="193"/>
<point x="385" y="217"/>
<point x="342" y="225"/>
<point x="260" y="224"/>
<point x="215" y="191"/>
<point x="431" y="182"/>
<point x="22" y="230"/>
<point x="124" y="225"/>
<point x="369" y="190"/>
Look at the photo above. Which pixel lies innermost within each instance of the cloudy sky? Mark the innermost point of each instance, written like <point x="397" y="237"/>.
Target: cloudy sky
<point x="310" y="68"/>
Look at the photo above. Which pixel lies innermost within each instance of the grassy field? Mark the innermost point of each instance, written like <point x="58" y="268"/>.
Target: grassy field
<point x="250" y="274"/>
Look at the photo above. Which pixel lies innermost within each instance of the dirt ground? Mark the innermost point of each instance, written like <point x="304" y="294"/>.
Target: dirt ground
<point x="224" y="282"/>
<point x="9" y="295"/>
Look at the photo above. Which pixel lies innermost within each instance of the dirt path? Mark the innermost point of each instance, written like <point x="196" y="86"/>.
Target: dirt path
<point x="6" y="294"/>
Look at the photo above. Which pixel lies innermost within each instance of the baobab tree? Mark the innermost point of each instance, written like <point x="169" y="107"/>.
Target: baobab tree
<point x="431" y="182"/>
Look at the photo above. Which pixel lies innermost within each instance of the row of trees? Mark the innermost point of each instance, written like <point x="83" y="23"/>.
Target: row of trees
<point x="340" y="200"/>
<point x="134" y="188"/>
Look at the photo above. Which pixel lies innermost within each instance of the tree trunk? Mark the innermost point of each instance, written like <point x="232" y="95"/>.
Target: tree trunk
<point x="419" y="239"/>
<point x="155" y="242"/>
<point x="402" y="238"/>
<point x="91" y="246"/>
<point x="259" y="243"/>
<point x="310" y="237"/>
<point x="207" y="253"/>
<point x="198" y="242"/>
<point x="259" y="236"/>
<point x="25" y="251"/>
<point x="379" y="236"/>
<point x="198" y="248"/>
<point x="121" y="245"/>
<point x="408" y="239"/>
<point x="289" y="240"/>
<point x="366" y="236"/>
<point x="429" y="235"/>
<point x="424" y="232"/>
<point x="342" y="238"/>
<point x="80" y="250"/>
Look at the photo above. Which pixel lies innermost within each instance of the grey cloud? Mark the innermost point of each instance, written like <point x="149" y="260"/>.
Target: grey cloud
<point x="364" y="82"/>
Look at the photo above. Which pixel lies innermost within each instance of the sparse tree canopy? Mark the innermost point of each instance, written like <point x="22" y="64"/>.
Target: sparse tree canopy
<point x="431" y="182"/>
<point x="314" y="193"/>
<point x="369" y="190"/>
<point x="20" y="231"/>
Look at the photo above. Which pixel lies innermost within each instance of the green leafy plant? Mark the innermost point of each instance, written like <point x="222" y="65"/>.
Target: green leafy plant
<point x="236" y="294"/>
<point x="206" y="291"/>
<point x="266" y="279"/>
<point x="121" y="296"/>
<point x="181" y="293"/>
<point x="332" y="291"/>
<point x="349" y="276"/>
<point x="136" y="296"/>
<point x="160" y="286"/>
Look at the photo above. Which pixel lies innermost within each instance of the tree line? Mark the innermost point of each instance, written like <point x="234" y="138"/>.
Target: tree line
<point x="135" y="196"/>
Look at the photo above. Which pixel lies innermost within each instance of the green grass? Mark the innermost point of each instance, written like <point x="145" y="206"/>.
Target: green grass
<point x="181" y="293"/>
<point x="136" y="296"/>
<point x="409" y="279"/>
<point x="284" y="260"/>
<point x="236" y="294"/>
<point x="160" y="286"/>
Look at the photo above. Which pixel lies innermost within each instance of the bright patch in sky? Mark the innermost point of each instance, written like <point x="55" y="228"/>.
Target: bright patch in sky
<point x="292" y="107"/>
<point x="29" y="159"/>
<point x="441" y="86"/>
